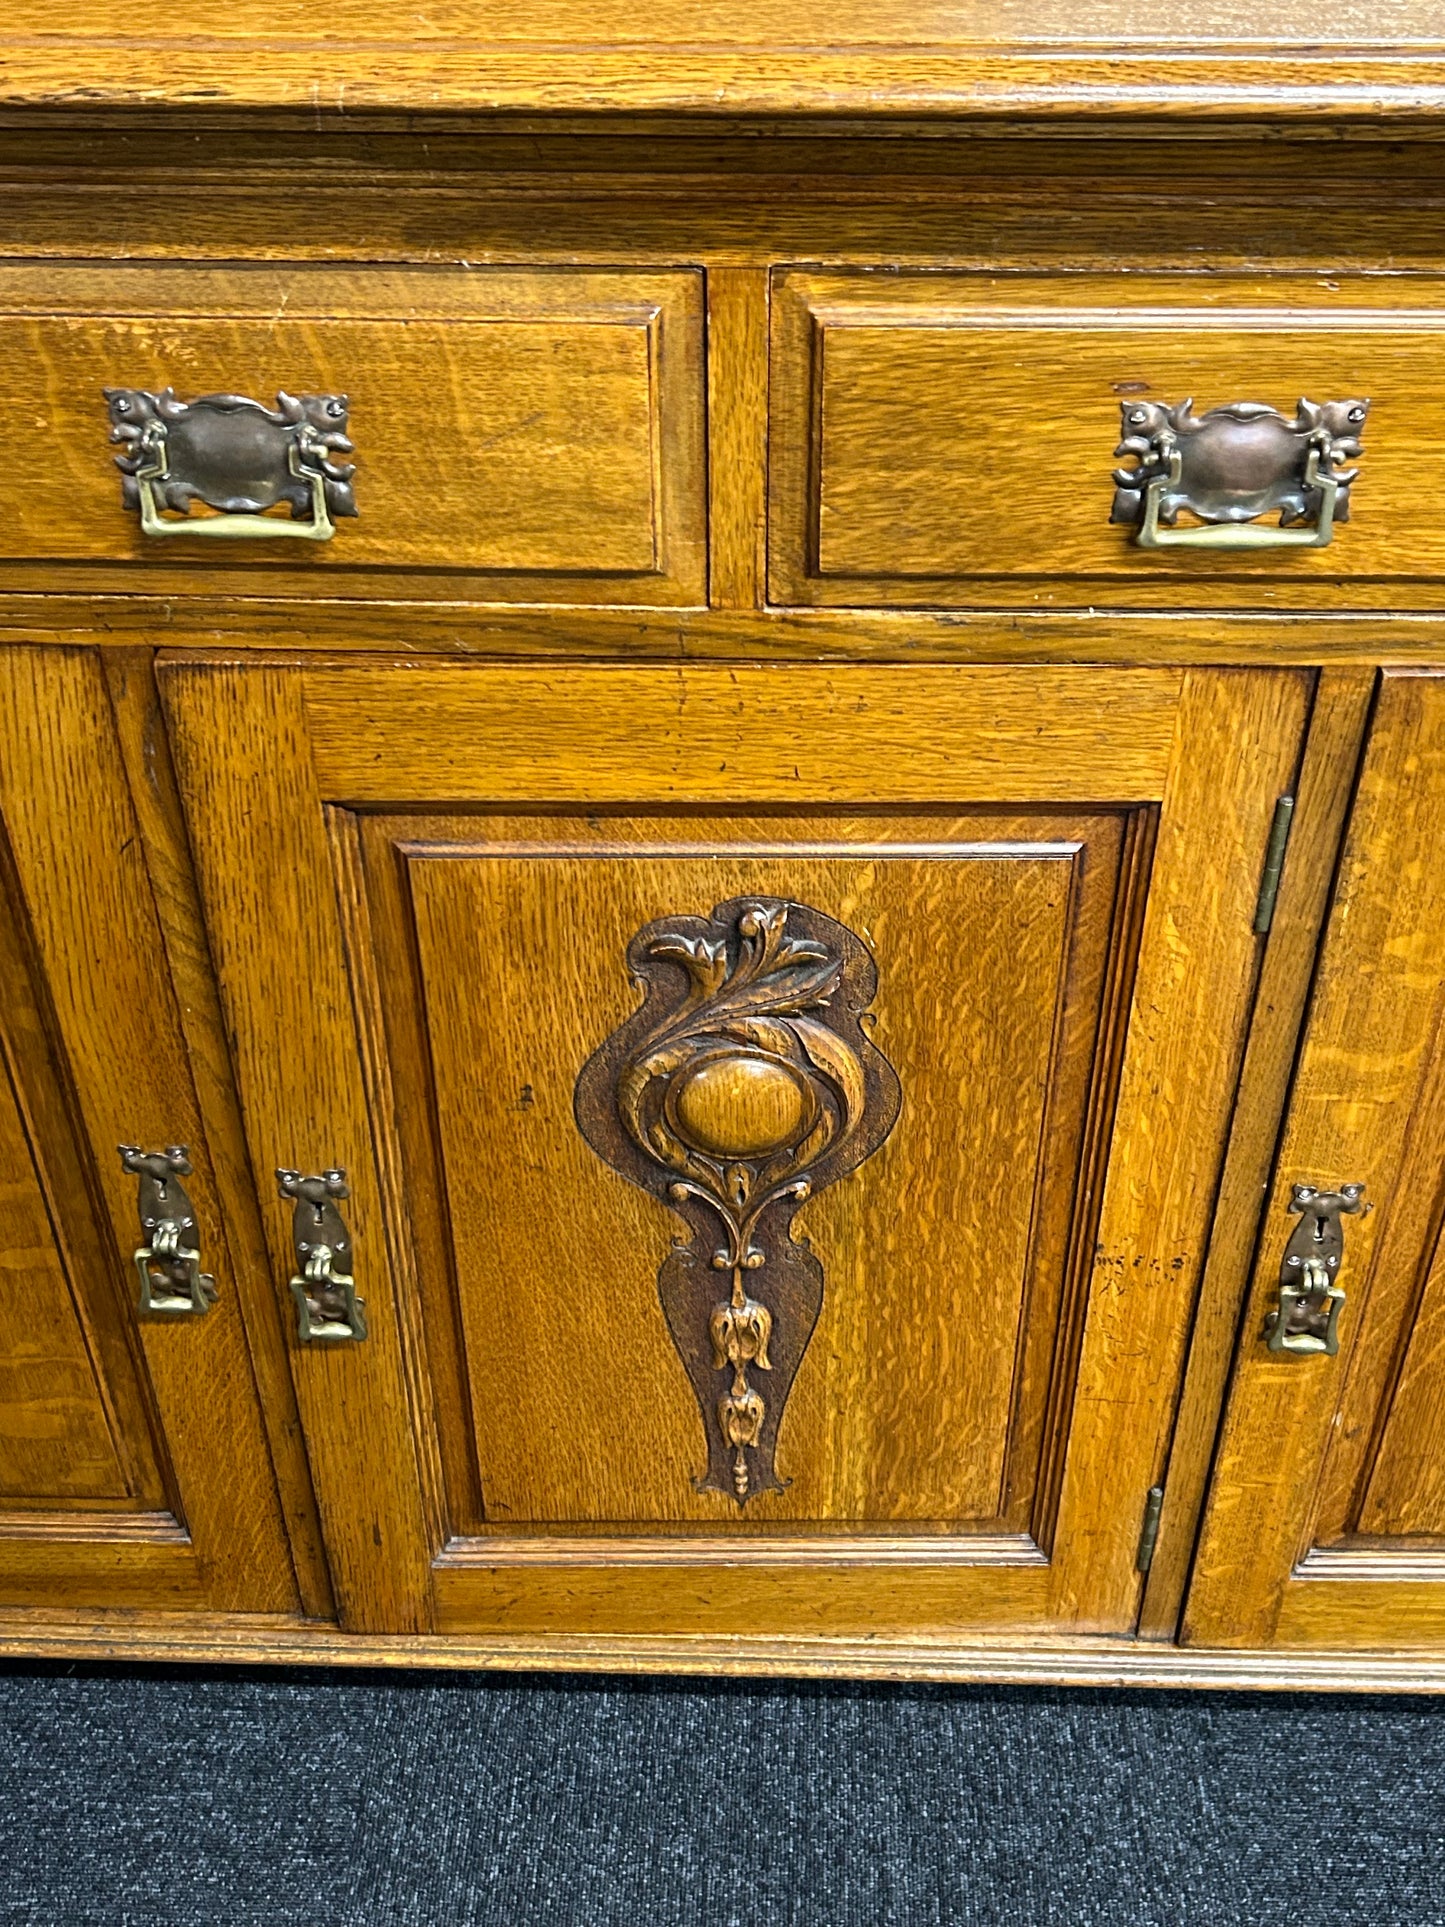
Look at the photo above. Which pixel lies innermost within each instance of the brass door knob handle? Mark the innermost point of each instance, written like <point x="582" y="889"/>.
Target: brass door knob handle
<point x="1310" y="1295"/>
<point x="168" y="1264"/>
<point x="235" y="456"/>
<point x="328" y="1309"/>
<point x="1232" y="465"/>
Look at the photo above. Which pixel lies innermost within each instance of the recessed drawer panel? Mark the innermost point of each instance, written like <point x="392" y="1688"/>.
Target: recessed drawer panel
<point x="953" y="438"/>
<point x="539" y="430"/>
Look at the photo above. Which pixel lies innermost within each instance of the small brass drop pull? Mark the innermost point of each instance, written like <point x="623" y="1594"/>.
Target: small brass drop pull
<point x="1310" y="1297"/>
<point x="168" y="1264"/>
<point x="330" y="1313"/>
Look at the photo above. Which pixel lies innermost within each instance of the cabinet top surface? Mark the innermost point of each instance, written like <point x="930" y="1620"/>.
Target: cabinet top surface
<point x="1360" y="59"/>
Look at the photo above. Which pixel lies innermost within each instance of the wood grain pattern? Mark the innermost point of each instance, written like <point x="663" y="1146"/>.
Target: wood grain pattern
<point x="1040" y="1659"/>
<point x="145" y="750"/>
<point x="743" y="58"/>
<point x="89" y="915"/>
<point x="737" y="436"/>
<point x="1338" y="716"/>
<point x="901" y="403"/>
<point x="903" y="1405"/>
<point x="304" y="1104"/>
<point x="55" y="1429"/>
<point x="584" y="734"/>
<point x="1211" y="750"/>
<point x="525" y="426"/>
<point x="1362" y="1096"/>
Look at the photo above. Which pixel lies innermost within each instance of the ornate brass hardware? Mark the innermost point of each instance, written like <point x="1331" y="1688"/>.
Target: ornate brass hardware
<point x="1233" y="464"/>
<point x="1309" y="1290"/>
<point x="329" y="1311"/>
<point x="172" y="1284"/>
<point x="237" y="457"/>
<point x="743" y="1085"/>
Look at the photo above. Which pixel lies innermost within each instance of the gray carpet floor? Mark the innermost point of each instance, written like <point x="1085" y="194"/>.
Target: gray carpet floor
<point x="252" y="1799"/>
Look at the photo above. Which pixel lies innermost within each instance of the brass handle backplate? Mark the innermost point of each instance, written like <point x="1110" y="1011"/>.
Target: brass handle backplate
<point x="168" y="1264"/>
<point x="329" y="1311"/>
<point x="1310" y="1296"/>
<point x="236" y="457"/>
<point x="1230" y="466"/>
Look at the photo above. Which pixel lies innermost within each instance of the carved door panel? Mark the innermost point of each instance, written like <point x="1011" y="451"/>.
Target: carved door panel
<point x="1326" y="1521"/>
<point x="779" y="1108"/>
<point x="133" y="1464"/>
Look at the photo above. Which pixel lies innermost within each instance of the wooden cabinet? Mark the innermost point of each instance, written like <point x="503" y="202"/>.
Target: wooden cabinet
<point x="1047" y="879"/>
<point x="134" y="1465"/>
<point x="743" y="728"/>
<point x="1326" y="1518"/>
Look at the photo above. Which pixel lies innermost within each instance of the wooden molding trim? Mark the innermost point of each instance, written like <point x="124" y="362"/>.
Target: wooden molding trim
<point x="196" y="1638"/>
<point x="994" y="1549"/>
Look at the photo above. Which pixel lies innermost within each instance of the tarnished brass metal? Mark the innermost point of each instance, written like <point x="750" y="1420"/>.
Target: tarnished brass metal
<point x="168" y="1264"/>
<point x="1310" y="1296"/>
<point x="236" y="457"/>
<point x="1232" y="465"/>
<point x="329" y="1311"/>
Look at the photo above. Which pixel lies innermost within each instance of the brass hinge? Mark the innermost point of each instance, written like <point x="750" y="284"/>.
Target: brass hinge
<point x="1149" y="1531"/>
<point x="1273" y="864"/>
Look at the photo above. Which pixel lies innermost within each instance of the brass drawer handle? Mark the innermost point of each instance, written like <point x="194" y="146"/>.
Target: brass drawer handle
<point x="236" y="457"/>
<point x="1310" y="1297"/>
<point x="1232" y="465"/>
<point x="168" y="1264"/>
<point x="329" y="1311"/>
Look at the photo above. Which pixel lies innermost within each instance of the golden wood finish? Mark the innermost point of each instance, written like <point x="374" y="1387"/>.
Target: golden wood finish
<point x="932" y="434"/>
<point x="538" y="1239"/>
<point x="541" y="431"/>
<point x="734" y="398"/>
<point x="1338" y="1454"/>
<point x="181" y="1399"/>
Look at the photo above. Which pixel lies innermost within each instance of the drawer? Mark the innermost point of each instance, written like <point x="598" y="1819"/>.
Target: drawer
<point x="951" y="438"/>
<point x="537" y="432"/>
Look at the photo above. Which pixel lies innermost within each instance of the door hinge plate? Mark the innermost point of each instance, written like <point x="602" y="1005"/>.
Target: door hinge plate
<point x="1149" y="1531"/>
<point x="1273" y="864"/>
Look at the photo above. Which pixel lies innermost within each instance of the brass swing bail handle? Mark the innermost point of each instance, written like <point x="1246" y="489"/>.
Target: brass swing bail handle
<point x="1233" y="465"/>
<point x="1310" y="1295"/>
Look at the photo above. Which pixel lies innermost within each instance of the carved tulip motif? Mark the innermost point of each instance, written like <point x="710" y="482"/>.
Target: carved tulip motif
<point x="744" y="1083"/>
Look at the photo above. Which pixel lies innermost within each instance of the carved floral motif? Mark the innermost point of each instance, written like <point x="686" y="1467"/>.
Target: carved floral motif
<point x="745" y="1083"/>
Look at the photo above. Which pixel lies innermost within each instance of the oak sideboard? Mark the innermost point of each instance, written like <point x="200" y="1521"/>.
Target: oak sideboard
<point x="722" y="839"/>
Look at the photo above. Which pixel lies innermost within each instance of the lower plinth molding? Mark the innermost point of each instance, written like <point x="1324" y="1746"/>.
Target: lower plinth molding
<point x="203" y="1639"/>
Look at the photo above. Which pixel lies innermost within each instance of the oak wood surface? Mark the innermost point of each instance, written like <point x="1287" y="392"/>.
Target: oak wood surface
<point x="1040" y="1659"/>
<point x="85" y="898"/>
<point x="921" y="1394"/>
<point x="140" y="734"/>
<point x="1105" y="59"/>
<point x="930" y="431"/>
<point x="532" y="427"/>
<point x="1209" y="749"/>
<point x="1325" y="785"/>
<point x="1337" y="1451"/>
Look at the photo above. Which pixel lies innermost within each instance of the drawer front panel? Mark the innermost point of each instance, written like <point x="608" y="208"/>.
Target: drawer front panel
<point x="541" y="431"/>
<point x="945" y="439"/>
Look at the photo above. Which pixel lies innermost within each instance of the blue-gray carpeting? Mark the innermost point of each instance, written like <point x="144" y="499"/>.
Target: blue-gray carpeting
<point x="203" y="1799"/>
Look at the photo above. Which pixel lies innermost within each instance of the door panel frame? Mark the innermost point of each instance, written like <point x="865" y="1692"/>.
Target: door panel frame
<point x="1364" y="1064"/>
<point x="85" y="894"/>
<point x="1211" y="747"/>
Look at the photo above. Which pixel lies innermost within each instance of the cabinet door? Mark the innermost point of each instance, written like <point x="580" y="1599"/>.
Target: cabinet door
<point x="1326" y="1521"/>
<point x="780" y="1109"/>
<point x="133" y="1465"/>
